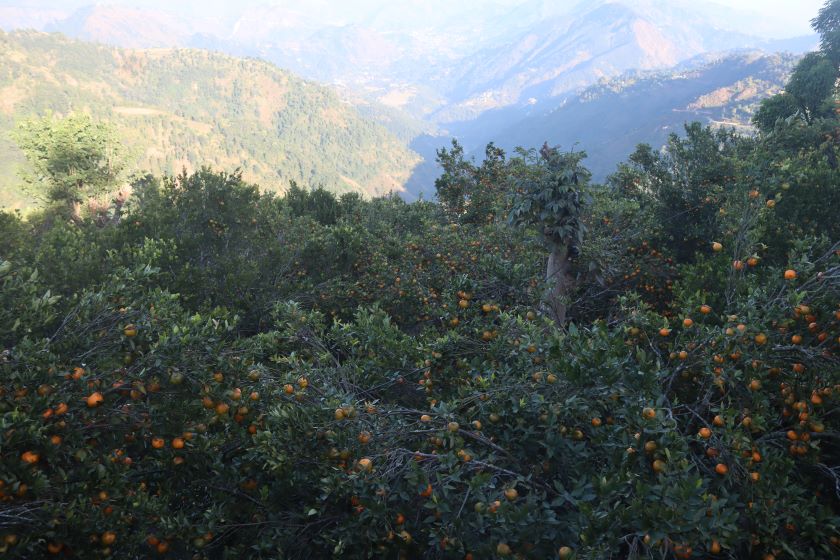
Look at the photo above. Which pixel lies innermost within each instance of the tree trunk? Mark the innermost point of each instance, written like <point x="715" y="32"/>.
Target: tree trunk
<point x="559" y="282"/>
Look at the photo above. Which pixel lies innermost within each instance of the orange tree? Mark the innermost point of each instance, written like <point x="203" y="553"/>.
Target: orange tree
<point x="229" y="374"/>
<point x="134" y="425"/>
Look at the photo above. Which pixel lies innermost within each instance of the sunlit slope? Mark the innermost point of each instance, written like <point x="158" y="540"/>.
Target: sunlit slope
<point x="179" y="108"/>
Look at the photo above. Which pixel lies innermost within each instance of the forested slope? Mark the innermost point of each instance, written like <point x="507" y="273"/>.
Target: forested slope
<point x="184" y="108"/>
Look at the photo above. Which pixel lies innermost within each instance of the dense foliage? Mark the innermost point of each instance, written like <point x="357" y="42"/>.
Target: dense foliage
<point x="208" y="371"/>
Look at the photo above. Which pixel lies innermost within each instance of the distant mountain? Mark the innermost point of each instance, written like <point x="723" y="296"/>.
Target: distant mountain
<point x="609" y="119"/>
<point x="25" y="17"/>
<point x="595" y="40"/>
<point x="499" y="70"/>
<point x="123" y="26"/>
<point x="180" y="108"/>
<point x="437" y="59"/>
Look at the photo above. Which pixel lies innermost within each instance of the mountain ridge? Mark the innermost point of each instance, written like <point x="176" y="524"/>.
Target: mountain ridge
<point x="609" y="119"/>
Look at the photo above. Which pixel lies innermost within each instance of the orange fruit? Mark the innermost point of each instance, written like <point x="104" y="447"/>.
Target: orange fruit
<point x="94" y="400"/>
<point x="108" y="538"/>
<point x="717" y="247"/>
<point x="718" y="421"/>
<point x="511" y="494"/>
<point x="178" y="443"/>
<point x="682" y="551"/>
<point x="658" y="466"/>
<point x="687" y="322"/>
<point x="721" y="469"/>
<point x="790" y="274"/>
<point x="158" y="442"/>
<point x="30" y="457"/>
<point x="365" y="464"/>
<point x="649" y="413"/>
<point x="705" y="433"/>
<point x="705" y="309"/>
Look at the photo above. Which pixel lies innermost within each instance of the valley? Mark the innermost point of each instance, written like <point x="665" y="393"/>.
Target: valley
<point x="600" y="75"/>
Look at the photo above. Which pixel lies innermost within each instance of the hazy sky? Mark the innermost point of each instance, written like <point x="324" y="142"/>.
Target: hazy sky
<point x="787" y="17"/>
<point x="795" y="13"/>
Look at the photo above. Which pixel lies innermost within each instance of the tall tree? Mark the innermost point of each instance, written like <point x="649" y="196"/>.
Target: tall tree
<point x="470" y="193"/>
<point x="827" y="24"/>
<point x="813" y="82"/>
<point x="550" y="196"/>
<point x="71" y="158"/>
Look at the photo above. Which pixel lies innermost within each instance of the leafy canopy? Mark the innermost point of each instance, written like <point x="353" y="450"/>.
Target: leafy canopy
<point x="71" y="158"/>
<point x="550" y="196"/>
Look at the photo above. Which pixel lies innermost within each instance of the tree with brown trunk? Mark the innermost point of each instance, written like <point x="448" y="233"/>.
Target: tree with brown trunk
<point x="550" y="196"/>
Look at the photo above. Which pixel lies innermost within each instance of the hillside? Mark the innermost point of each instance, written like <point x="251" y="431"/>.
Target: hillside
<point x="609" y="119"/>
<point x="179" y="108"/>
